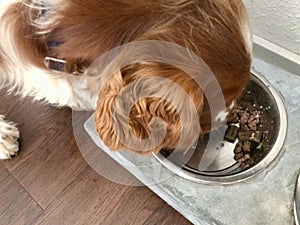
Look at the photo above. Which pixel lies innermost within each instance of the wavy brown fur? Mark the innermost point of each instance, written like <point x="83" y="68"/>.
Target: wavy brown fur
<point x="30" y="46"/>
<point x="215" y="30"/>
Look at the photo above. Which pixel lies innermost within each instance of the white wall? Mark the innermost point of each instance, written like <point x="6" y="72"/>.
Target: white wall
<point x="277" y="21"/>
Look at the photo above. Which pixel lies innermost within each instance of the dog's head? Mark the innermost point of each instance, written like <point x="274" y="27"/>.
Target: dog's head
<point x="218" y="31"/>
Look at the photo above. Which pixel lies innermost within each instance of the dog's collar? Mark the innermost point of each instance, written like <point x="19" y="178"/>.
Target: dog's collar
<point x="51" y="61"/>
<point x="61" y="65"/>
<point x="54" y="63"/>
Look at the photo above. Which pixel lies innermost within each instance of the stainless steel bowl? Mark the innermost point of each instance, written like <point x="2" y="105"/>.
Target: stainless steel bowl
<point x="224" y="170"/>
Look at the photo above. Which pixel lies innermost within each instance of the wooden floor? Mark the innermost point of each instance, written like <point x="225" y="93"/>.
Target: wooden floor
<point x="49" y="182"/>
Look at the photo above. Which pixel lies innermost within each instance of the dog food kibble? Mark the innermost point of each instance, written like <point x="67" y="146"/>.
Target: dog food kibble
<point x="248" y="163"/>
<point x="250" y="136"/>
<point x="246" y="127"/>
<point x="253" y="121"/>
<point x="239" y="156"/>
<point x="247" y="146"/>
<point x="244" y="118"/>
<point x="238" y="148"/>
<point x="231" y="133"/>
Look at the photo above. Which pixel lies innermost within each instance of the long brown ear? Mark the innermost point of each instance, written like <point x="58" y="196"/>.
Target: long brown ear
<point x="126" y="116"/>
<point x="16" y="26"/>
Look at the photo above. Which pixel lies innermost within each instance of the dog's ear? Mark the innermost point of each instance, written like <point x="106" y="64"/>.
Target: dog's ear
<point x="132" y="101"/>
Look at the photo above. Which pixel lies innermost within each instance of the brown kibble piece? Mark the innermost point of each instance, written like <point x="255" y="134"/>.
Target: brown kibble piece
<point x="255" y="136"/>
<point x="248" y="163"/>
<point x="238" y="156"/>
<point x="244" y="158"/>
<point x="253" y="121"/>
<point x="245" y="135"/>
<point x="247" y="156"/>
<point x="238" y="148"/>
<point x="241" y="160"/>
<point x="247" y="146"/>
<point x="231" y="133"/>
<point x="244" y="127"/>
<point x="244" y="119"/>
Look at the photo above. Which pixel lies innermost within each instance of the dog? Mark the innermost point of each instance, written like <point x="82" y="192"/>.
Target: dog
<point x="45" y="45"/>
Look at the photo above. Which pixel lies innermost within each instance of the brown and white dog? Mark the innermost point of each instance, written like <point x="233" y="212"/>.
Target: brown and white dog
<point x="76" y="33"/>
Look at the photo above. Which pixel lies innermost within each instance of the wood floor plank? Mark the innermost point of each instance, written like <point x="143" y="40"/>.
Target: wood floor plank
<point x="16" y="205"/>
<point x="50" y="167"/>
<point x="91" y="198"/>
<point x="144" y="208"/>
<point x="49" y="159"/>
<point x="164" y="214"/>
<point x="94" y="200"/>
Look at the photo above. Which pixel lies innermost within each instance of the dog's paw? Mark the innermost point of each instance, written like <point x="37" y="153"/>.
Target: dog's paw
<point x="9" y="135"/>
